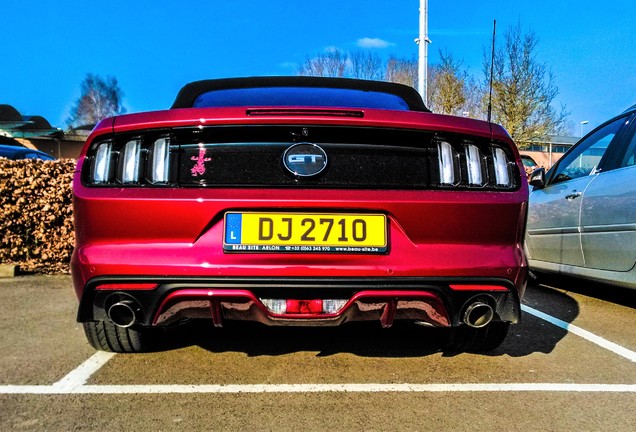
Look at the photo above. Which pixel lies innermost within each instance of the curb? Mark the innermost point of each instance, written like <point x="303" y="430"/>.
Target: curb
<point x="7" y="270"/>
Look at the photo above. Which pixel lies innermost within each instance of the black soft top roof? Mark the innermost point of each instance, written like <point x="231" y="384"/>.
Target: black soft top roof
<point x="190" y="92"/>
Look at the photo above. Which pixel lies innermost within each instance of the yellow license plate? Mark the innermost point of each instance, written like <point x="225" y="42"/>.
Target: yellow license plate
<point x="305" y="232"/>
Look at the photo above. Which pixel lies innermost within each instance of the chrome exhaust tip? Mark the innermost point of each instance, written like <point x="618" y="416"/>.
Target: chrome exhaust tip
<point x="123" y="313"/>
<point x="478" y="314"/>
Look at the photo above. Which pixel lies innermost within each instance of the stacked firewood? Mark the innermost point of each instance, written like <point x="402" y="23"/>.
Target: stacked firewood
<point x="36" y="219"/>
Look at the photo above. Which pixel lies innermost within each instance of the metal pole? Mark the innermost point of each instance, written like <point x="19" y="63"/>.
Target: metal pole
<point x="492" y="70"/>
<point x="423" y="41"/>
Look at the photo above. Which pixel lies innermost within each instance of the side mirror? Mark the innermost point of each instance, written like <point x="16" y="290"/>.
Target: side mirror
<point x="537" y="178"/>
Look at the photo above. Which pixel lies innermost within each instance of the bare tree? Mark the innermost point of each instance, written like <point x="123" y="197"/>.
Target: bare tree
<point x="361" y="65"/>
<point x="401" y="71"/>
<point x="448" y="89"/>
<point x="523" y="90"/>
<point x="472" y="105"/>
<point x="365" y="65"/>
<point x="100" y="98"/>
<point x="329" y="64"/>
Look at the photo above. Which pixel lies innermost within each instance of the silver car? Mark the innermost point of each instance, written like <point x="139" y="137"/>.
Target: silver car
<point x="582" y="213"/>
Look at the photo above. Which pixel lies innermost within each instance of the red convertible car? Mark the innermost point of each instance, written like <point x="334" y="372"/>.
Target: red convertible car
<point x="298" y="201"/>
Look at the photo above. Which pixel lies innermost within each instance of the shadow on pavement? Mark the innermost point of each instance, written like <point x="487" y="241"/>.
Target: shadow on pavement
<point x="365" y="340"/>
<point x="532" y="335"/>
<point x="609" y="293"/>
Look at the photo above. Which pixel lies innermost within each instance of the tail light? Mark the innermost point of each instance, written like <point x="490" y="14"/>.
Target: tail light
<point x="101" y="163"/>
<point x="128" y="172"/>
<point x="502" y="167"/>
<point x="468" y="165"/>
<point x="475" y="166"/>
<point x="135" y="162"/>
<point x="448" y="167"/>
<point x="159" y="161"/>
<point x="174" y="158"/>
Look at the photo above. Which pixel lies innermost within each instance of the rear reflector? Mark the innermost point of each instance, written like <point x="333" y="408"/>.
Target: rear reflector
<point x="304" y="306"/>
<point x="127" y="286"/>
<point x="478" y="288"/>
<point x="312" y="307"/>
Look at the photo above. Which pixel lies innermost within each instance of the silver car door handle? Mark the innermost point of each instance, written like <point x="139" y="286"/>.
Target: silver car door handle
<point x="573" y="196"/>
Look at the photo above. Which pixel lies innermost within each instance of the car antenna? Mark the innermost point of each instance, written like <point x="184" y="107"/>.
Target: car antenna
<point x="492" y="67"/>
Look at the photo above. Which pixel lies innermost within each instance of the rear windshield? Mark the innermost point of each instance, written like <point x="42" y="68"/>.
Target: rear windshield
<point x="300" y="96"/>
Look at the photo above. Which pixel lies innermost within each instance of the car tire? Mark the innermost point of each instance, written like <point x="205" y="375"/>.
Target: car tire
<point x="106" y="336"/>
<point x="484" y="339"/>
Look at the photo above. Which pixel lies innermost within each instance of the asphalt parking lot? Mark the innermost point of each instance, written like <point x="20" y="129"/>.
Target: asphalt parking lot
<point x="570" y="365"/>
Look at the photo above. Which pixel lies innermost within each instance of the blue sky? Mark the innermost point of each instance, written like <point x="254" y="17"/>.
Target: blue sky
<point x="154" y="47"/>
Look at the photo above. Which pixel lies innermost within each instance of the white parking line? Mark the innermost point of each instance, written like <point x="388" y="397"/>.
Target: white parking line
<point x="320" y="388"/>
<point x="83" y="372"/>
<point x="604" y="343"/>
<point x="75" y="381"/>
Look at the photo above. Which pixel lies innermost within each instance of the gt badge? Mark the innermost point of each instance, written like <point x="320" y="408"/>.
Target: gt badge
<point x="305" y="159"/>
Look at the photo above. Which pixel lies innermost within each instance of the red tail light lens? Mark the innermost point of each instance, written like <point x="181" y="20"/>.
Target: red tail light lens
<point x="304" y="306"/>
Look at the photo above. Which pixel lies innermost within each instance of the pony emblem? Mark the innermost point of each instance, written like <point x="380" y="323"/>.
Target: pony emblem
<point x="199" y="168"/>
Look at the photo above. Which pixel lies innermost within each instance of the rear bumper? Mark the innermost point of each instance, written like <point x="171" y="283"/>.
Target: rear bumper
<point x="438" y="302"/>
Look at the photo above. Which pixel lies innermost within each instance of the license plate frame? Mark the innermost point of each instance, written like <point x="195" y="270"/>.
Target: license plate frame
<point x="305" y="232"/>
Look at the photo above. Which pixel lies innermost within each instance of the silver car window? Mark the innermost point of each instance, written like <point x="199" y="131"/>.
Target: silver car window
<point x="629" y="158"/>
<point x="586" y="157"/>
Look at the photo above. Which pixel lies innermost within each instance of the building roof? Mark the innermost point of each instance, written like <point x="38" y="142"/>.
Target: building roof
<point x="20" y="126"/>
<point x="562" y="140"/>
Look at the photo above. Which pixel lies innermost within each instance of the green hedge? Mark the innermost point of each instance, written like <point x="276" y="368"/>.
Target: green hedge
<point x="37" y="214"/>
